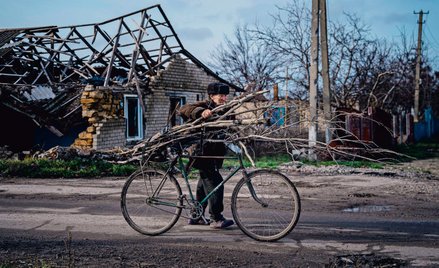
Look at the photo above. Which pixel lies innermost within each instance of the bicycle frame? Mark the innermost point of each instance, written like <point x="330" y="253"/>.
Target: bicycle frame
<point x="186" y="177"/>
<point x="178" y="160"/>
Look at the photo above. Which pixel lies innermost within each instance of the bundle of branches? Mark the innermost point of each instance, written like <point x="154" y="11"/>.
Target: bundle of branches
<point x="252" y="132"/>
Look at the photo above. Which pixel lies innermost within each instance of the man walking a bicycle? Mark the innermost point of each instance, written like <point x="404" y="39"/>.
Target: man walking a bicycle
<point x="210" y="176"/>
<point x="265" y="204"/>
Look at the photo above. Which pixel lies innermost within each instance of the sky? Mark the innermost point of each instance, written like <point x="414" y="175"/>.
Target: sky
<point x="202" y="24"/>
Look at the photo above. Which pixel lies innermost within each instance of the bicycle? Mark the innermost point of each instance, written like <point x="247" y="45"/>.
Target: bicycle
<point x="265" y="203"/>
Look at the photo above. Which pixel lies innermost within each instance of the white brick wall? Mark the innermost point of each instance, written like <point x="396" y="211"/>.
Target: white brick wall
<point x="110" y="134"/>
<point x="180" y="78"/>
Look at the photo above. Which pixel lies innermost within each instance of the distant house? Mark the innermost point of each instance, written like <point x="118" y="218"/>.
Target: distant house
<point x="353" y="128"/>
<point x="97" y="86"/>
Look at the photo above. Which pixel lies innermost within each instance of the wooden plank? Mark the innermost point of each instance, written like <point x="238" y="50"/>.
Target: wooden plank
<point x="113" y="55"/>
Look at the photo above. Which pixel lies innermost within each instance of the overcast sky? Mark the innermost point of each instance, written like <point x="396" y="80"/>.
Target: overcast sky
<point x="202" y="24"/>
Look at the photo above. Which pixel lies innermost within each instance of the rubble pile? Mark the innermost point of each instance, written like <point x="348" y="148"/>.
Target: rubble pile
<point x="69" y="153"/>
<point x="390" y="170"/>
<point x="98" y="105"/>
<point x="5" y="153"/>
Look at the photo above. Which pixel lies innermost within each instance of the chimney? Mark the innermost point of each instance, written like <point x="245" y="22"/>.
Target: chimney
<point x="275" y="92"/>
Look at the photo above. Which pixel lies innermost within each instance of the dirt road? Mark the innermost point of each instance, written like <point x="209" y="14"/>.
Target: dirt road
<point x="348" y="218"/>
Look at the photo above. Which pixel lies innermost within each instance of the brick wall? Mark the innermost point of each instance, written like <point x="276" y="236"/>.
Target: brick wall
<point x="110" y="133"/>
<point x="180" y="79"/>
<point x="182" y="75"/>
<point x="104" y="113"/>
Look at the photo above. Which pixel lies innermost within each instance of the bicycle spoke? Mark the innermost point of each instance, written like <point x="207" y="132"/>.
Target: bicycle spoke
<point x="267" y="210"/>
<point x="151" y="202"/>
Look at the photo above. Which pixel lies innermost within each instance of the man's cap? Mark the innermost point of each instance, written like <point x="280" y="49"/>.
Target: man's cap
<point x="218" y="88"/>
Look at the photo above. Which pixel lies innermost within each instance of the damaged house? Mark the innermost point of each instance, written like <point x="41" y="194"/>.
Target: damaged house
<point x="96" y="86"/>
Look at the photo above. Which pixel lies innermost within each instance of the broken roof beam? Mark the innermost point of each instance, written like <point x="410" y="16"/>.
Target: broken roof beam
<point x="169" y="50"/>
<point x="150" y="62"/>
<point x="40" y="59"/>
<point x="51" y="38"/>
<point x="39" y="54"/>
<point x="137" y="43"/>
<point x="74" y="71"/>
<point x="113" y="55"/>
<point x="61" y="49"/>
<point x="160" y="51"/>
<point x="170" y="27"/>
<point x="159" y="65"/>
<point x="114" y="48"/>
<point x="21" y="78"/>
<point x="44" y="69"/>
<point x="94" y="50"/>
<point x="15" y="75"/>
<point x="72" y="52"/>
<point x="136" y="51"/>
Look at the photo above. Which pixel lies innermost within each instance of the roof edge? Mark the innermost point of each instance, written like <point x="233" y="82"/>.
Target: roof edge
<point x="209" y="71"/>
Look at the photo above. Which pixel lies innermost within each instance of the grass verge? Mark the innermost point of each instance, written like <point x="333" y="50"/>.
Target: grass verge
<point x="44" y="168"/>
<point x="421" y="150"/>
<point x="353" y="164"/>
<point x="268" y="161"/>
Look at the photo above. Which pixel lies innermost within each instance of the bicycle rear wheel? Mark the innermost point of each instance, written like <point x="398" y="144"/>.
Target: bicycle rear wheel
<point x="266" y="206"/>
<point x="151" y="202"/>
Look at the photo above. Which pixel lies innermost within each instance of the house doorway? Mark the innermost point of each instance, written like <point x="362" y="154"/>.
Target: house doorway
<point x="175" y="104"/>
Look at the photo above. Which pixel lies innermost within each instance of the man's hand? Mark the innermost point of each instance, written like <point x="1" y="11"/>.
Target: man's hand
<point x="206" y="114"/>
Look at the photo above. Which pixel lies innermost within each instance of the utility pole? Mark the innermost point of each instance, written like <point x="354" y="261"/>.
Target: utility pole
<point x="286" y="96"/>
<point x="325" y="71"/>
<point x="418" y="65"/>
<point x="313" y="73"/>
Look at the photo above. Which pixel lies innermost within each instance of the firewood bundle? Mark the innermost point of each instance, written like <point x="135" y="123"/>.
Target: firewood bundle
<point x="254" y="133"/>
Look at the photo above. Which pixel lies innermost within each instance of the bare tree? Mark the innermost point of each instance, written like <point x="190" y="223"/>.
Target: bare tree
<point x="288" y="37"/>
<point x="365" y="71"/>
<point x="396" y="92"/>
<point x="353" y="55"/>
<point x="245" y="60"/>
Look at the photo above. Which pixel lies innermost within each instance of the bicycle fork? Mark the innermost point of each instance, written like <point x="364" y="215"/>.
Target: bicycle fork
<point x="249" y="184"/>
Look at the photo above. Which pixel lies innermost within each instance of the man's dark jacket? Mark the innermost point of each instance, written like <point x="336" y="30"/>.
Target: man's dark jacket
<point x="190" y="112"/>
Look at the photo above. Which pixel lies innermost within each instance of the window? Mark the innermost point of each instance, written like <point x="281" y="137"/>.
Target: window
<point x="276" y="116"/>
<point x="175" y="104"/>
<point x="134" y="117"/>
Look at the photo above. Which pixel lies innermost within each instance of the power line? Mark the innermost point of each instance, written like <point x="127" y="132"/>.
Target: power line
<point x="432" y="47"/>
<point x="431" y="34"/>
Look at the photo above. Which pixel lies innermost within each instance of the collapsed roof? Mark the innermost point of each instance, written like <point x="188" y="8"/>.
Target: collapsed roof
<point x="51" y="64"/>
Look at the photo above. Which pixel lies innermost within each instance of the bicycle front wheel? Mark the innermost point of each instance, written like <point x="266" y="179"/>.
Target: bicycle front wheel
<point x="266" y="205"/>
<point x="151" y="202"/>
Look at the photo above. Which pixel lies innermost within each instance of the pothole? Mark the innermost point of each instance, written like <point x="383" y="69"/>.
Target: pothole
<point x="361" y="195"/>
<point x="368" y="208"/>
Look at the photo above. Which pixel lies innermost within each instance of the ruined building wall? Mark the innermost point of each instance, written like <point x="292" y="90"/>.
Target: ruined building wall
<point x="103" y="109"/>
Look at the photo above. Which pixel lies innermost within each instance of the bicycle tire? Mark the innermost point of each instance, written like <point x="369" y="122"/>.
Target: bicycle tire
<point x="142" y="212"/>
<point x="279" y="213"/>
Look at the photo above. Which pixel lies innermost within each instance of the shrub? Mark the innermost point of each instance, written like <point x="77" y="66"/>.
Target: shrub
<point x="44" y="168"/>
<point x="266" y="161"/>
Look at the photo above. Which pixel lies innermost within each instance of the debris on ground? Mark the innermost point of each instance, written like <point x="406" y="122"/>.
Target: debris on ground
<point x="400" y="171"/>
<point x="365" y="260"/>
<point x="69" y="153"/>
